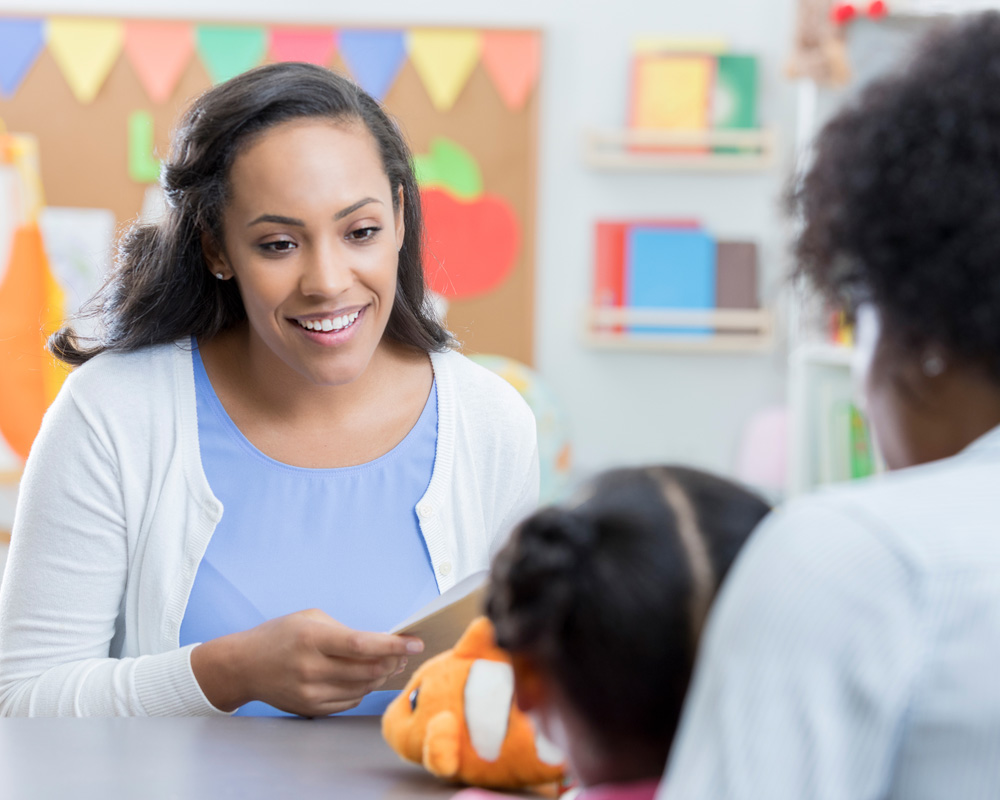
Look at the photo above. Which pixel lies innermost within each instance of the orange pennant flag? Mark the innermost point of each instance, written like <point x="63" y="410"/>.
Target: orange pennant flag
<point x="30" y="310"/>
<point x="512" y="59"/>
<point x="159" y="53"/>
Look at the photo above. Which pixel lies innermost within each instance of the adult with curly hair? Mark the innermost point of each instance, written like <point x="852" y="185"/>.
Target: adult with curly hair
<point x="853" y="651"/>
<point x="272" y="452"/>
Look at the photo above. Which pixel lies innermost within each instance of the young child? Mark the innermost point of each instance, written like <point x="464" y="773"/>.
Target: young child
<point x="601" y="605"/>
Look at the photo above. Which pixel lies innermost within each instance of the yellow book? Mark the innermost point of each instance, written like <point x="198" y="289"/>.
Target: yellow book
<point x="672" y="91"/>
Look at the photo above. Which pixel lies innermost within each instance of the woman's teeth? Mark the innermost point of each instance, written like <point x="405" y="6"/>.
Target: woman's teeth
<point x="331" y="324"/>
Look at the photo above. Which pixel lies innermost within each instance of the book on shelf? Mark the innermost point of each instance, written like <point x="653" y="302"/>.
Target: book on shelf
<point x="692" y="86"/>
<point x="736" y="275"/>
<point x="671" y="91"/>
<point x="673" y="269"/>
<point x="609" y="259"/>
<point x="735" y="100"/>
<point x="846" y="449"/>
<point x="669" y="264"/>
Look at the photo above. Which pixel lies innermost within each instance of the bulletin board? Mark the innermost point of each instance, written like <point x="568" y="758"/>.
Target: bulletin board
<point x="467" y="101"/>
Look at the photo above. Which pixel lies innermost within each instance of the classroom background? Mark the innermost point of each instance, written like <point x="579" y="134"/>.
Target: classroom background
<point x="757" y="387"/>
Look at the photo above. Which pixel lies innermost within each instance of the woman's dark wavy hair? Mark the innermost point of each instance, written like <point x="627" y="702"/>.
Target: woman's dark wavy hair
<point x="902" y="202"/>
<point x="609" y="596"/>
<point x="160" y="288"/>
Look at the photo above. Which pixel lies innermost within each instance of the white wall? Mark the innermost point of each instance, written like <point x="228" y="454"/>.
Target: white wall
<point x="624" y="408"/>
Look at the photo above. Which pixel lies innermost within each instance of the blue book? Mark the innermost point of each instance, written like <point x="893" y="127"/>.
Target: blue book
<point x="669" y="268"/>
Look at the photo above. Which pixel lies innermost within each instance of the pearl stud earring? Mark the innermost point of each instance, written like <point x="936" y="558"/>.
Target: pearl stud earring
<point x="220" y="276"/>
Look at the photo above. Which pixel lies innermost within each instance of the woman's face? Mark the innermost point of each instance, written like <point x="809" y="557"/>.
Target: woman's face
<point x="312" y="240"/>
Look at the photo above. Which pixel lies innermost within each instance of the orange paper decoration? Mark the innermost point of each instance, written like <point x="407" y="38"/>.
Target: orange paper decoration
<point x="31" y="307"/>
<point x="512" y="59"/>
<point x="159" y="53"/>
<point x="302" y="44"/>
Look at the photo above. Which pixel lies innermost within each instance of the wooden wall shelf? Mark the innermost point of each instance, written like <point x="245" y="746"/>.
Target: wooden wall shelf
<point x="612" y="150"/>
<point x="735" y="330"/>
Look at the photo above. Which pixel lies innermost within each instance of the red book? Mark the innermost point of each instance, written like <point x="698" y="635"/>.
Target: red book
<point x="609" y="258"/>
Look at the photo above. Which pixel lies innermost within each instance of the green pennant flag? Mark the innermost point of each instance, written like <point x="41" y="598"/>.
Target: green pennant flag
<point x="228" y="50"/>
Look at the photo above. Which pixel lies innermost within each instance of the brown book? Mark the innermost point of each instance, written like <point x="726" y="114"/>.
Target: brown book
<point x="736" y="275"/>
<point x="441" y="623"/>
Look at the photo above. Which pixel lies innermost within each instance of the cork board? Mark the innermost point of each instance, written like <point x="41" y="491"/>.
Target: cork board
<point x="84" y="163"/>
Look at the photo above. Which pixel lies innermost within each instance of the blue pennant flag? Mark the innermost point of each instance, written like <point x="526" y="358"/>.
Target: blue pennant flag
<point x="373" y="57"/>
<point x="21" y="40"/>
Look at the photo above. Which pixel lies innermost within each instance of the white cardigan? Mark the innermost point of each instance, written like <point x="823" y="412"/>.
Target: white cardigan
<point x="115" y="513"/>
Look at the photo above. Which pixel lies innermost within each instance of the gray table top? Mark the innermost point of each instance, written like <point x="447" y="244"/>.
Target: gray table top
<point x="191" y="758"/>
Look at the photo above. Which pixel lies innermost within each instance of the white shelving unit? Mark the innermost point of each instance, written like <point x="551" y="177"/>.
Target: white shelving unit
<point x="731" y="330"/>
<point x="651" y="150"/>
<point x="748" y="330"/>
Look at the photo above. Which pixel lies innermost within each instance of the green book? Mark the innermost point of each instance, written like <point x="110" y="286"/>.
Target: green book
<point x="735" y="102"/>
<point x="862" y="454"/>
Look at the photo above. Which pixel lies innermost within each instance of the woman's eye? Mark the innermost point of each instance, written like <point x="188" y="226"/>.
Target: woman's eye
<point x="363" y="234"/>
<point x="280" y="246"/>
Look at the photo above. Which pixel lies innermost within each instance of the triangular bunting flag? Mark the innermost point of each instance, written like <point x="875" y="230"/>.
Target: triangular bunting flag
<point x="444" y="59"/>
<point x="85" y="50"/>
<point x="302" y="44"/>
<point x="228" y="50"/>
<point x="512" y="59"/>
<point x="374" y="58"/>
<point x="159" y="52"/>
<point x="21" y="40"/>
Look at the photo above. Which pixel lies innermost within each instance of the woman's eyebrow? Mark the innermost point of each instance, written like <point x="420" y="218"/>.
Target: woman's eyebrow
<point x="354" y="207"/>
<point x="280" y="220"/>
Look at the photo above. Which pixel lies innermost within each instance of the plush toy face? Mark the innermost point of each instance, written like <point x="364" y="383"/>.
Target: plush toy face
<point x="457" y="717"/>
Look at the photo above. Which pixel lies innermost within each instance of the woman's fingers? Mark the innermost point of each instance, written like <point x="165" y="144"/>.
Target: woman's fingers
<point x="340" y="641"/>
<point x="305" y="663"/>
<point x="331" y="669"/>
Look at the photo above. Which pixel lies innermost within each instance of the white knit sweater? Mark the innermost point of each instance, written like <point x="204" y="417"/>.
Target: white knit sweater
<point x="115" y="513"/>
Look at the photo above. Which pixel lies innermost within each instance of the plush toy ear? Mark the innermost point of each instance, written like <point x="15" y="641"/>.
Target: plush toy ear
<point x="479" y="641"/>
<point x="442" y="745"/>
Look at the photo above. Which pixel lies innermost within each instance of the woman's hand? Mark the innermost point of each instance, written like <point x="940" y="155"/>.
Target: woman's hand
<point x="305" y="663"/>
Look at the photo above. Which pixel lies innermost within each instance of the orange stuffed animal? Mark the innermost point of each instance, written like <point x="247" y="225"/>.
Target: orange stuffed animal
<point x="457" y="717"/>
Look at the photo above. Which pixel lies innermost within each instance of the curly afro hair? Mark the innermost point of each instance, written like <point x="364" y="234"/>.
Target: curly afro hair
<point x="902" y="202"/>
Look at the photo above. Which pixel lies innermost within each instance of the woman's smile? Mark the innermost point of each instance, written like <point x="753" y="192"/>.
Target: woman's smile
<point x="331" y="329"/>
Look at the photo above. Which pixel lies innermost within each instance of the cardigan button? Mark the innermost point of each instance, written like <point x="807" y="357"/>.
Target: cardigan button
<point x="445" y="569"/>
<point x="425" y="510"/>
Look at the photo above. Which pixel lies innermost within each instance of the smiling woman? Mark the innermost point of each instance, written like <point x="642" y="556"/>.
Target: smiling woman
<point x="271" y="452"/>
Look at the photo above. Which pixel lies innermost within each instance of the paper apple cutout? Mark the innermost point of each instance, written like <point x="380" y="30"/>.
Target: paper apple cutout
<point x="449" y="166"/>
<point x="473" y="238"/>
<point x="471" y="246"/>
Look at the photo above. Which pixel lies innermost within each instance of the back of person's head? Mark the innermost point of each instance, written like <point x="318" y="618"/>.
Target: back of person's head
<point x="608" y="596"/>
<point x="901" y="205"/>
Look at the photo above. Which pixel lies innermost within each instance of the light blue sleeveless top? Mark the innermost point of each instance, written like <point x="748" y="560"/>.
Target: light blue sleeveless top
<point x="346" y="541"/>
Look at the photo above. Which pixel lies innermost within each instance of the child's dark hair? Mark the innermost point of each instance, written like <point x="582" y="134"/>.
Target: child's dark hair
<point x="609" y="596"/>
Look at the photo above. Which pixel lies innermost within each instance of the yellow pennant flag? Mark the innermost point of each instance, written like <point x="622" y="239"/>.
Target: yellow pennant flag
<point x="85" y="50"/>
<point x="444" y="59"/>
